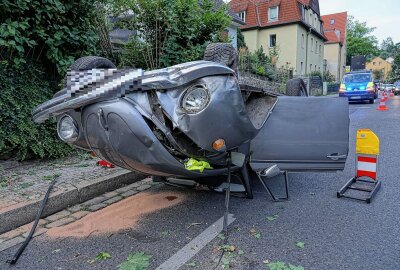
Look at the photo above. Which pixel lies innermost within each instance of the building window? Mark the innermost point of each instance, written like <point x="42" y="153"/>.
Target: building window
<point x="302" y="41"/>
<point x="301" y="68"/>
<point x="312" y="41"/>
<point x="315" y="69"/>
<point x="316" y="47"/>
<point x="373" y="63"/>
<point x="273" y="13"/>
<point x="332" y="21"/>
<point x="320" y="50"/>
<point x="310" y="68"/>
<point x="272" y="41"/>
<point x="315" y="22"/>
<point x="242" y="15"/>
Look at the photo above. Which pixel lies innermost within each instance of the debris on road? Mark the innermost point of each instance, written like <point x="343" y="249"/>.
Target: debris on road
<point x="121" y="215"/>
<point x="137" y="261"/>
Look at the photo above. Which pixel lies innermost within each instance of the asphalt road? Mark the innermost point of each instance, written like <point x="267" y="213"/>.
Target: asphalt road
<point x="337" y="233"/>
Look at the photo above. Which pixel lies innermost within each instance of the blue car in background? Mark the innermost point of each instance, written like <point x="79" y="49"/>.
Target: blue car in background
<point x="358" y="86"/>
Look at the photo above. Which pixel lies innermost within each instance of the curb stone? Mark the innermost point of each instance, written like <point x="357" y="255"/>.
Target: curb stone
<point x="18" y="235"/>
<point x="26" y="212"/>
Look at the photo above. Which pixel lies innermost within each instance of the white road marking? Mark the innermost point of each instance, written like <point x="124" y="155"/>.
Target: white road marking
<point x="193" y="247"/>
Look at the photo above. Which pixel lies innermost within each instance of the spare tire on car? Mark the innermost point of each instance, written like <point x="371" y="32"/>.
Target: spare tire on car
<point x="223" y="53"/>
<point x="91" y="62"/>
<point x="87" y="63"/>
<point x="296" y="87"/>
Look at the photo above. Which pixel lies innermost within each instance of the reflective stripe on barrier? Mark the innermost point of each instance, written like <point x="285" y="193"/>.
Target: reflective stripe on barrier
<point x="366" y="166"/>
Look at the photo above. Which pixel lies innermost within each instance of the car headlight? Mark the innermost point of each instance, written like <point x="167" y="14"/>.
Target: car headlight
<point x="67" y="129"/>
<point x="195" y="99"/>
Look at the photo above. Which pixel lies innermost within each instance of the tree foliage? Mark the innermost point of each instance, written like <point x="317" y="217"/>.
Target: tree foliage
<point x="360" y="40"/>
<point x="389" y="49"/>
<point x="241" y="43"/>
<point x="394" y="74"/>
<point x="39" y="39"/>
<point x="169" y="32"/>
<point x="21" y="90"/>
<point x="53" y="32"/>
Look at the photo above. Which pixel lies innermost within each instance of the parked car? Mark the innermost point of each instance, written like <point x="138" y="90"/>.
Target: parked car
<point x="396" y="88"/>
<point x="358" y="86"/>
<point x="389" y="88"/>
<point x="161" y="122"/>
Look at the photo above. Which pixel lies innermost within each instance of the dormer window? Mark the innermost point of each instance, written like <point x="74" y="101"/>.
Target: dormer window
<point x="332" y="21"/>
<point x="273" y="13"/>
<point x="242" y="15"/>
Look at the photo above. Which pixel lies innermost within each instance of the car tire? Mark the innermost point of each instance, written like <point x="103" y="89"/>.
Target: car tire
<point x="371" y="101"/>
<point x="223" y="53"/>
<point x="296" y="87"/>
<point x="87" y="63"/>
<point x="91" y="62"/>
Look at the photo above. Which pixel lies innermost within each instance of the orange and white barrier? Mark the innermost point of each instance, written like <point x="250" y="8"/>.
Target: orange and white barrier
<point x="366" y="166"/>
<point x="367" y="152"/>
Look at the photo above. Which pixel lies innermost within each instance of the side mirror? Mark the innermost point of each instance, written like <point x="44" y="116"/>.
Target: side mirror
<point x="270" y="172"/>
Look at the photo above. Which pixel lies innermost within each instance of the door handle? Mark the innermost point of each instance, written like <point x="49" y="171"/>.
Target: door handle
<point x="336" y="156"/>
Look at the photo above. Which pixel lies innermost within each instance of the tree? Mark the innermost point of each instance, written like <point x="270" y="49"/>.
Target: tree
<point x="170" y="32"/>
<point x="378" y="74"/>
<point x="394" y="74"/>
<point x="359" y="39"/>
<point x="53" y="33"/>
<point x="241" y="43"/>
<point x="388" y="48"/>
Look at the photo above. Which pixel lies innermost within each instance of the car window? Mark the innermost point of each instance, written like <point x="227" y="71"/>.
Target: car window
<point x="357" y="78"/>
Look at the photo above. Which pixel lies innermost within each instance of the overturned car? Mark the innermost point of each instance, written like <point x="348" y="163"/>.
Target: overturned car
<point x="155" y="121"/>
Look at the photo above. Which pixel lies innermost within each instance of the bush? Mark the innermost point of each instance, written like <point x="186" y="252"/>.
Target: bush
<point x="21" y="90"/>
<point x="53" y="32"/>
<point x="170" y="32"/>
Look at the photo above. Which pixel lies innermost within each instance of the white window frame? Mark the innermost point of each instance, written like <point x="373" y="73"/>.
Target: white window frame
<point x="242" y="15"/>
<point x="277" y="14"/>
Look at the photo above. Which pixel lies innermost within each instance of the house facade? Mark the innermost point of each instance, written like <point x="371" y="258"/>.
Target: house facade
<point x="335" y="30"/>
<point x="381" y="65"/>
<point x="293" y="27"/>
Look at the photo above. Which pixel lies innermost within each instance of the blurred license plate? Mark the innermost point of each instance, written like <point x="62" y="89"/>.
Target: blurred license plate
<point x="355" y="97"/>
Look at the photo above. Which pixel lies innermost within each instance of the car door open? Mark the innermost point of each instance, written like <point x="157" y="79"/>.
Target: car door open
<point x="304" y="134"/>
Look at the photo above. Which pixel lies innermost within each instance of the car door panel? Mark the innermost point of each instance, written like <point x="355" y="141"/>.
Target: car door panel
<point x="304" y="134"/>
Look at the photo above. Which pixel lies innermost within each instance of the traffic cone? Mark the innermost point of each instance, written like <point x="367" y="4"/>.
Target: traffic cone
<point x="383" y="96"/>
<point x="382" y="105"/>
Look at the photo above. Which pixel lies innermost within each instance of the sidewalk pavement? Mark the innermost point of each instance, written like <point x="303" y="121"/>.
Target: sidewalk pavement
<point x="74" y="212"/>
<point x="79" y="180"/>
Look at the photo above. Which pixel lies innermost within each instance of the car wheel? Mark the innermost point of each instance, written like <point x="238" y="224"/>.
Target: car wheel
<point x="296" y="87"/>
<point x="89" y="62"/>
<point x="223" y="53"/>
<point x="371" y="101"/>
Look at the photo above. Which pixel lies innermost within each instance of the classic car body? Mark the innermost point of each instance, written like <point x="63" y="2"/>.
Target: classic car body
<point x="154" y="121"/>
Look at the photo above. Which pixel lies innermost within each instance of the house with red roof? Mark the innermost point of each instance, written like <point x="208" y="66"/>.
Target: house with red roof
<point x="293" y="27"/>
<point x="335" y="30"/>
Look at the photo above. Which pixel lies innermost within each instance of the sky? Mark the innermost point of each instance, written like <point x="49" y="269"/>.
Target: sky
<point x="382" y="14"/>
